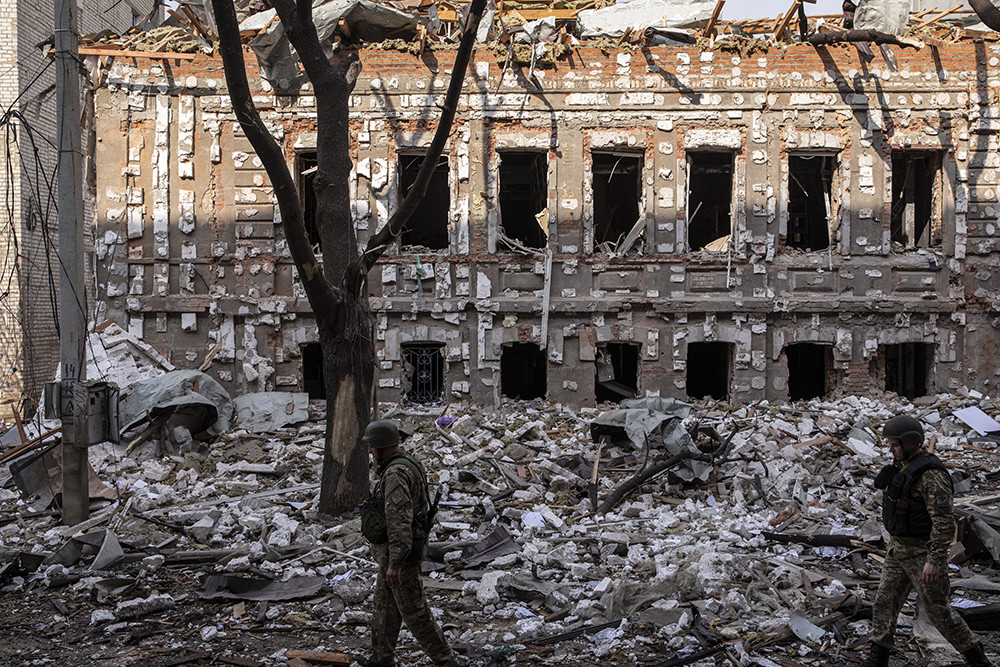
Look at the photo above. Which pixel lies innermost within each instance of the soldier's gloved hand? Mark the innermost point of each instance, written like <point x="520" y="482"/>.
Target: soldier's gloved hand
<point x="392" y="575"/>
<point x="931" y="573"/>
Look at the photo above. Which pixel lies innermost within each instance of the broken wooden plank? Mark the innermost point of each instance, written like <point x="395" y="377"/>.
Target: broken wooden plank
<point x="318" y="657"/>
<point x="710" y="28"/>
<point x="238" y="661"/>
<point x="162" y="55"/>
<point x="28" y="446"/>
<point x="783" y="26"/>
<point x="821" y="440"/>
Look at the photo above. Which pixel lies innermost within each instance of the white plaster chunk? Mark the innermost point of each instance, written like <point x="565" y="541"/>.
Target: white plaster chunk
<point x="484" y="287"/>
<point x="186" y="221"/>
<point x="599" y="100"/>
<point x="633" y="99"/>
<point x="698" y="138"/>
<point x="189" y="321"/>
<point x="665" y="198"/>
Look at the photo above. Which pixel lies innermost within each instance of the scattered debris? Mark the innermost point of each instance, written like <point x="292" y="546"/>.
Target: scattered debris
<point x="763" y="536"/>
<point x="230" y="587"/>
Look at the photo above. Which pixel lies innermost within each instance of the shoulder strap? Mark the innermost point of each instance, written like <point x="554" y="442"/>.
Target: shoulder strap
<point x="919" y="466"/>
<point x="405" y="459"/>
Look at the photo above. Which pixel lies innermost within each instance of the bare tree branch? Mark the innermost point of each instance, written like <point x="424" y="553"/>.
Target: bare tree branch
<point x="332" y="86"/>
<point x="392" y="229"/>
<point x="318" y="290"/>
<point x="987" y="13"/>
<point x="874" y="36"/>
<point x="302" y="34"/>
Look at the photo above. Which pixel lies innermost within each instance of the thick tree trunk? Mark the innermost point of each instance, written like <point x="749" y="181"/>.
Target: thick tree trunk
<point x="337" y="293"/>
<point x="348" y="371"/>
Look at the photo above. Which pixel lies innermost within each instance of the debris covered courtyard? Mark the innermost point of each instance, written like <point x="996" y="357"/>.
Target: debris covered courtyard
<point x="213" y="553"/>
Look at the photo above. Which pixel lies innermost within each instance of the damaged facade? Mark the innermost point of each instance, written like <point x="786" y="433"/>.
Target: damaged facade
<point x="29" y="339"/>
<point x="654" y="221"/>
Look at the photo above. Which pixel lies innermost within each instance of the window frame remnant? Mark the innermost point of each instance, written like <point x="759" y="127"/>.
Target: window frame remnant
<point x="917" y="190"/>
<point x="811" y="202"/>
<point x="797" y="357"/>
<point x="909" y="368"/>
<point x="306" y="163"/>
<point x="428" y="222"/>
<point x="613" y="364"/>
<point x="525" y="222"/>
<point x="611" y="172"/>
<point x="423" y="373"/>
<point x="519" y="371"/>
<point x="312" y="371"/>
<point x="717" y="240"/>
<point x="696" y="353"/>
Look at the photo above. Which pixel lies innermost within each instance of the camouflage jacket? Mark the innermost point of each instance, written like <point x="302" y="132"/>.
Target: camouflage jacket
<point x="934" y="487"/>
<point x="404" y="492"/>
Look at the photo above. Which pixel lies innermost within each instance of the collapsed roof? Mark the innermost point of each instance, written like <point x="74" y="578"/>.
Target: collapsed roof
<point x="546" y="24"/>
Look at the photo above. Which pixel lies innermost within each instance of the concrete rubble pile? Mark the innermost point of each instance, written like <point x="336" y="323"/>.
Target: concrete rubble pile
<point x="711" y="557"/>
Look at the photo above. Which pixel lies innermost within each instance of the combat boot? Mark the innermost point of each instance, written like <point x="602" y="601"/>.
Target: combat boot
<point x="976" y="657"/>
<point x="878" y="657"/>
<point x="371" y="663"/>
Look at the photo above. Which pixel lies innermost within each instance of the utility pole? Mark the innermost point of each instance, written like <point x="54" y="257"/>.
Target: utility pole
<point x="72" y="291"/>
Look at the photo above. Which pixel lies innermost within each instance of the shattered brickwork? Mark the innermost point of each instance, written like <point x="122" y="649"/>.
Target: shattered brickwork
<point x="29" y="340"/>
<point x="190" y="254"/>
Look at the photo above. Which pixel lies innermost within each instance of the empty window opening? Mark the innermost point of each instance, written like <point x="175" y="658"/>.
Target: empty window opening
<point x="312" y="371"/>
<point x="617" y="185"/>
<point x="522" y="371"/>
<point x="907" y="368"/>
<point x="423" y="366"/>
<point x="810" y="186"/>
<point x="617" y="372"/>
<point x="708" y="368"/>
<point x="428" y="226"/>
<point x="808" y="369"/>
<point x="710" y="200"/>
<point x="915" y="180"/>
<point x="307" y="165"/>
<point x="524" y="197"/>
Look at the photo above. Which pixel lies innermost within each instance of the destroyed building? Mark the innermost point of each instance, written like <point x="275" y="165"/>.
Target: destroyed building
<point x="29" y="342"/>
<point x="790" y="222"/>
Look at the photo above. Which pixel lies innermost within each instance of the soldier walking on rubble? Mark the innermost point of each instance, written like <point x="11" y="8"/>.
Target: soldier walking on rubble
<point x="918" y="513"/>
<point x="396" y="519"/>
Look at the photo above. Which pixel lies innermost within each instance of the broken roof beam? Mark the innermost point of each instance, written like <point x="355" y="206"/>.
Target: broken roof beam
<point x="710" y="28"/>
<point x="781" y="24"/>
<point x="920" y="22"/>
<point x="872" y="36"/>
<point x="155" y="55"/>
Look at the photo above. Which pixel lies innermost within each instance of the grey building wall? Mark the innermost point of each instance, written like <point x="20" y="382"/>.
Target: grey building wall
<point x="29" y="341"/>
<point x="190" y="251"/>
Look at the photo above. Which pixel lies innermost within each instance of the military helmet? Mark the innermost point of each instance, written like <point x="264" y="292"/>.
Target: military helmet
<point x="381" y="435"/>
<point x="904" y="428"/>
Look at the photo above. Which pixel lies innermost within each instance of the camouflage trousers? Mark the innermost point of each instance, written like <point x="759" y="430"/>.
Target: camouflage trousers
<point x="902" y="572"/>
<point x="405" y="603"/>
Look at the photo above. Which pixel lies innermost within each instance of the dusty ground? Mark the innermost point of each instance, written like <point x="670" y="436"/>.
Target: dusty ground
<point x="677" y="569"/>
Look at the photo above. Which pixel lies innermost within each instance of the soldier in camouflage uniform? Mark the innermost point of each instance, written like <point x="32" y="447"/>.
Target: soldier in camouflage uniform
<point x="401" y="495"/>
<point x="918" y="513"/>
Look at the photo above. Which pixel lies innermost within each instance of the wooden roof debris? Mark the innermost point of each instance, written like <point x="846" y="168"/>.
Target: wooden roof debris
<point x="188" y="30"/>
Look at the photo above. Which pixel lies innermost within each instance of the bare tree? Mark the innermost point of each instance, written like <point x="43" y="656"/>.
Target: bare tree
<point x="337" y="290"/>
